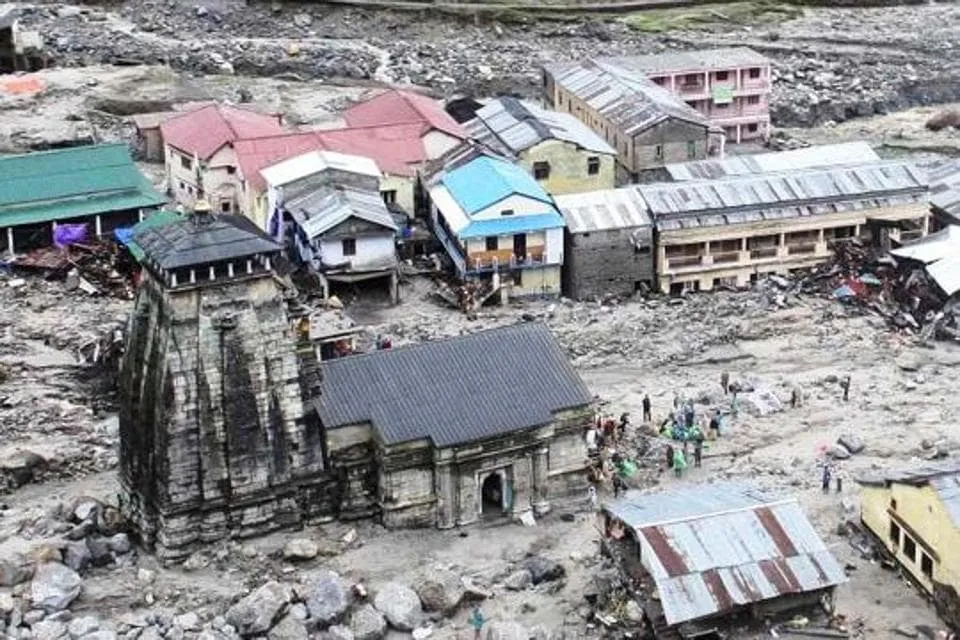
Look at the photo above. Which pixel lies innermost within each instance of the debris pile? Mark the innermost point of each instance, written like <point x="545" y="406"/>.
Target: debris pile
<point x="95" y="268"/>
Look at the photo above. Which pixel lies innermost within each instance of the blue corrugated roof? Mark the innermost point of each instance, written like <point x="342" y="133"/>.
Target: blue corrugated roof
<point x="486" y="181"/>
<point x="512" y="224"/>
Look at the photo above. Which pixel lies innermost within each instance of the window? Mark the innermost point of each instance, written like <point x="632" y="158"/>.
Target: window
<point x="492" y="243"/>
<point x="658" y="152"/>
<point x="593" y="165"/>
<point x="691" y="149"/>
<point x="926" y="565"/>
<point x="910" y="548"/>
<point x="186" y="162"/>
<point x="723" y="75"/>
<point x="752" y="127"/>
<point x="389" y="197"/>
<point x="231" y="170"/>
<point x="349" y="246"/>
<point x="755" y="73"/>
<point x="506" y="212"/>
<point x="720" y="106"/>
<point x="753" y="99"/>
<point x="541" y="170"/>
<point x="691" y="78"/>
<point x="895" y="534"/>
<point x="225" y="206"/>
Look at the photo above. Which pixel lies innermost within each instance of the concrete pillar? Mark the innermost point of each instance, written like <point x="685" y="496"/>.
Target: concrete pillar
<point x="394" y="287"/>
<point x="541" y="479"/>
<point x="707" y="257"/>
<point x="446" y="496"/>
<point x="212" y="273"/>
<point x="821" y="247"/>
<point x="140" y="215"/>
<point x="782" y="246"/>
<point x="230" y="269"/>
<point x="193" y="276"/>
<point x="926" y="224"/>
<point x="97" y="225"/>
<point x="738" y="134"/>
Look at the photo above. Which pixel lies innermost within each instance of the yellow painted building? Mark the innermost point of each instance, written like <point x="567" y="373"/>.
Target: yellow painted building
<point x="562" y="153"/>
<point x="915" y="514"/>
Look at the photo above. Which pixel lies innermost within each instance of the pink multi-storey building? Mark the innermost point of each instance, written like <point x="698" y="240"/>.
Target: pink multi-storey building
<point x="729" y="86"/>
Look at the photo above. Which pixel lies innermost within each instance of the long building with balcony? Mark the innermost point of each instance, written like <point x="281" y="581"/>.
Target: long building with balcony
<point x="496" y="222"/>
<point x="732" y="230"/>
<point x="731" y="87"/>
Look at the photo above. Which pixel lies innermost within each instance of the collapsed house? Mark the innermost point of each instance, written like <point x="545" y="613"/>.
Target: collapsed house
<point x="915" y="516"/>
<point x="227" y="430"/>
<point x="699" y="554"/>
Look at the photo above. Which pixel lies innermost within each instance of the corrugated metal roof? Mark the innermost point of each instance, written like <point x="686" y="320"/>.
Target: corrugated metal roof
<point x="827" y="155"/>
<point x="69" y="183"/>
<point x="933" y="247"/>
<point x="484" y="181"/>
<point x="509" y="125"/>
<point x="713" y="548"/>
<point x="402" y="107"/>
<point x="621" y="208"/>
<point x="624" y="97"/>
<point x="806" y="192"/>
<point x="509" y="225"/>
<point x="694" y="60"/>
<point x="944" y="477"/>
<point x="325" y="208"/>
<point x="945" y="188"/>
<point x="204" y="239"/>
<point x="444" y="391"/>
<point x="314" y="162"/>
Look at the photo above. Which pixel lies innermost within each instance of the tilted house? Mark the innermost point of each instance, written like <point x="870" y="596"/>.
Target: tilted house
<point x="563" y="154"/>
<point x="717" y="550"/>
<point x="98" y="186"/>
<point x="915" y="514"/>
<point x="199" y="154"/>
<point x="427" y="437"/>
<point x="648" y="126"/>
<point x="493" y="219"/>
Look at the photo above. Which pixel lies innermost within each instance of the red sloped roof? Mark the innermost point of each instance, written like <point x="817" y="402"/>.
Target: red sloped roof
<point x="396" y="149"/>
<point x="204" y="131"/>
<point x="403" y="107"/>
<point x="255" y="154"/>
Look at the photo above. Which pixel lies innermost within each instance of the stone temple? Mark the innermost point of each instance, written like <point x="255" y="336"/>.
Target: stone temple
<point x="231" y="426"/>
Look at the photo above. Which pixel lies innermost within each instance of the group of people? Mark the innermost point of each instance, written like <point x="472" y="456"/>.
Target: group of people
<point x="605" y="446"/>
<point x="832" y="470"/>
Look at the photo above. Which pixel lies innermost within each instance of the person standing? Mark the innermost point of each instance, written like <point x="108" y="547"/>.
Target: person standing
<point x="669" y="456"/>
<point x="698" y="449"/>
<point x="715" y="425"/>
<point x="477" y="621"/>
<point x="838" y="474"/>
<point x="679" y="462"/>
<point x="826" y="476"/>
<point x="646" y="408"/>
<point x="794" y="398"/>
<point x="725" y="382"/>
<point x="845" y="385"/>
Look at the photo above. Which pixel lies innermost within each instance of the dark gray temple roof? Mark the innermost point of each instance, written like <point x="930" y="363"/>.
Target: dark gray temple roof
<point x="204" y="239"/>
<point x="456" y="390"/>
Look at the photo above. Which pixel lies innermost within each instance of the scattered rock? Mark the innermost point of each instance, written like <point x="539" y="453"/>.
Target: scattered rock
<point x="908" y="361"/>
<point x="851" y="442"/>
<point x="22" y="467"/>
<point x="338" y="632"/>
<point x="48" y="630"/>
<point x="367" y="623"/>
<point x="944" y="119"/>
<point x="507" y="631"/>
<point x="518" y="580"/>
<point x="85" y="508"/>
<point x="543" y="569"/>
<point x="76" y="555"/>
<point x="256" y="613"/>
<point x="54" y="586"/>
<point x="300" y="549"/>
<point x="82" y="626"/>
<point x="189" y="621"/>
<point x="327" y="597"/>
<point x="440" y="590"/>
<point x="119" y="543"/>
<point x="289" y="628"/>
<point x="303" y="20"/>
<point x="400" y="605"/>
<point x="839" y="452"/>
<point x="13" y="571"/>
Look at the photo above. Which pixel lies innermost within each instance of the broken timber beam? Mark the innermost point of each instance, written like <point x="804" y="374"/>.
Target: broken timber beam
<point x="815" y="633"/>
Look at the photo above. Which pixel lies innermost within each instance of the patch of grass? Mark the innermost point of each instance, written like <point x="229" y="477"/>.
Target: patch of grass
<point x="709" y="16"/>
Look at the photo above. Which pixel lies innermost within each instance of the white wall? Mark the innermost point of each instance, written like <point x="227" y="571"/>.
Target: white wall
<point x="555" y="246"/>
<point x="372" y="251"/>
<point x="436" y="143"/>
<point x="521" y="205"/>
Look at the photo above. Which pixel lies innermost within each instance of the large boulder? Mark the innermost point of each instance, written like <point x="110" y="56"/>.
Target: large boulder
<point x="76" y="555"/>
<point x="543" y="569"/>
<point x="82" y="626"/>
<point x="518" y="580"/>
<point x="254" y="614"/>
<point x="367" y="623"/>
<point x="440" y="590"/>
<point x="507" y="631"/>
<point x="49" y="630"/>
<point x="851" y="442"/>
<point x="400" y="605"/>
<point x="13" y="571"/>
<point x="337" y="632"/>
<point x="327" y="598"/>
<point x="54" y="586"/>
<point x="289" y="628"/>
<point x="300" y="549"/>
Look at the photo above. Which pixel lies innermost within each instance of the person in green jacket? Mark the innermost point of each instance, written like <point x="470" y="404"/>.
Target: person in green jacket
<point x="477" y="621"/>
<point x="679" y="462"/>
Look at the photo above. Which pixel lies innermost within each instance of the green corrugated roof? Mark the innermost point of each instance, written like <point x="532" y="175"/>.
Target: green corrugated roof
<point x="69" y="183"/>
<point x="158" y="219"/>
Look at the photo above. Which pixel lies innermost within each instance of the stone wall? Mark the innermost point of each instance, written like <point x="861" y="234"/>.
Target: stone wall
<point x="215" y="439"/>
<point x="678" y="140"/>
<point x="601" y="263"/>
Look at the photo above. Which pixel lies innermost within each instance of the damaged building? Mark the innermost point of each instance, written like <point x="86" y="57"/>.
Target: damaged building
<point x="226" y="429"/>
<point x="20" y="50"/>
<point x="701" y="555"/>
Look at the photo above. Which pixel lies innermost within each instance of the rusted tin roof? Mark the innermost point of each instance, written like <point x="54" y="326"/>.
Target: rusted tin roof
<point x="711" y="549"/>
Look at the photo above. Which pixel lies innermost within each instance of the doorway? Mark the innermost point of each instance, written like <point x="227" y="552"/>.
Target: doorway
<point x="491" y="495"/>
<point x="520" y="246"/>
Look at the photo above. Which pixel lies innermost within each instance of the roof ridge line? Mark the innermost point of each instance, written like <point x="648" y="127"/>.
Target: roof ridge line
<point x="722" y="512"/>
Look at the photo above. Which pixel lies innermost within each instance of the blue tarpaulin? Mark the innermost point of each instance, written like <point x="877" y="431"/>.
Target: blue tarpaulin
<point x="844" y="292"/>
<point x="66" y="234"/>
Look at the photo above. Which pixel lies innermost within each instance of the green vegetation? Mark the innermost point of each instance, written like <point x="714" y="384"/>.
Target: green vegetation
<point x="709" y="16"/>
